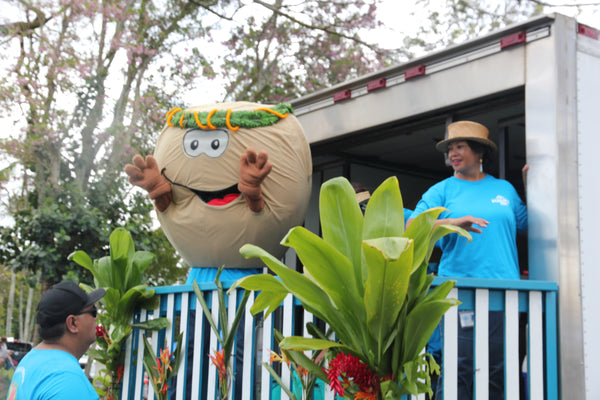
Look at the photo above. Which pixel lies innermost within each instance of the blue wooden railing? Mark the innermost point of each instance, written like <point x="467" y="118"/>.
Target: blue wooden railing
<point x="197" y="379"/>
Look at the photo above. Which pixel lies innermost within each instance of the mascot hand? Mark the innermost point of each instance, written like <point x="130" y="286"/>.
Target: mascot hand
<point x="146" y="175"/>
<point x="254" y="168"/>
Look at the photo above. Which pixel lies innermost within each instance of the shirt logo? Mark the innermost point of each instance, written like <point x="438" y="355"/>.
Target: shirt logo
<point x="503" y="201"/>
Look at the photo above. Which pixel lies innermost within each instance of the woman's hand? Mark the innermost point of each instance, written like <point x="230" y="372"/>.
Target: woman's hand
<point x="524" y="173"/>
<point x="467" y="222"/>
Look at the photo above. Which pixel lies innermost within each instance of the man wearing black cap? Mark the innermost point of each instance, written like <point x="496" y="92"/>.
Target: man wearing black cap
<point x="66" y="316"/>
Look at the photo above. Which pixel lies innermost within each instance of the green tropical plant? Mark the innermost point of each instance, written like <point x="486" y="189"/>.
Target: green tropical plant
<point x="304" y="380"/>
<point x="366" y="277"/>
<point x="120" y="274"/>
<point x="224" y="331"/>
<point x="161" y="369"/>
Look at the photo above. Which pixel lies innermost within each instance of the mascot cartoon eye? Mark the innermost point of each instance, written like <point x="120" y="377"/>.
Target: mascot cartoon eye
<point x="210" y="142"/>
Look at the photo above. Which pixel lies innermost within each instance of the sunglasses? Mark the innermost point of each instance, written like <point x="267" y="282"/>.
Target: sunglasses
<point x="93" y="311"/>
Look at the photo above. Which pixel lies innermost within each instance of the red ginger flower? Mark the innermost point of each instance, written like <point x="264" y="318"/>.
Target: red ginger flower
<point x="352" y="371"/>
<point x="100" y="331"/>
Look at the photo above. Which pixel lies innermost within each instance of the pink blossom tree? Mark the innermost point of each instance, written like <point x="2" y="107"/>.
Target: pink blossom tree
<point x="85" y="84"/>
<point x="300" y="47"/>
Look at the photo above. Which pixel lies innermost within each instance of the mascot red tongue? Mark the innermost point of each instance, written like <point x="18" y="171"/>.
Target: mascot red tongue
<point x="224" y="175"/>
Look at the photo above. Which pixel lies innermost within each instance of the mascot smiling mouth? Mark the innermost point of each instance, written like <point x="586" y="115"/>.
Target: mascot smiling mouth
<point x="216" y="198"/>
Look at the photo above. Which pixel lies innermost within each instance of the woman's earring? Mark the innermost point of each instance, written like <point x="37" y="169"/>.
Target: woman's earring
<point x="481" y="165"/>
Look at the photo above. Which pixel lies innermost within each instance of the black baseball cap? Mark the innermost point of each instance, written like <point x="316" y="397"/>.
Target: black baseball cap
<point x="64" y="299"/>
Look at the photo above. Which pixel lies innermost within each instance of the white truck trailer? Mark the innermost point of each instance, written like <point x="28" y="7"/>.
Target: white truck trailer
<point x="536" y="86"/>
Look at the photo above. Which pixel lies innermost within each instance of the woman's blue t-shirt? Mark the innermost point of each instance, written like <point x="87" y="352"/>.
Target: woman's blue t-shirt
<point x="492" y="253"/>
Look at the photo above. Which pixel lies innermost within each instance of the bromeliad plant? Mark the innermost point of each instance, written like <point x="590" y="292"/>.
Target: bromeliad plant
<point x="120" y="274"/>
<point x="366" y="277"/>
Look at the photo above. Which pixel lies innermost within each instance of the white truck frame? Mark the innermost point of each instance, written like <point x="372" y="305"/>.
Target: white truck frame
<point x="536" y="85"/>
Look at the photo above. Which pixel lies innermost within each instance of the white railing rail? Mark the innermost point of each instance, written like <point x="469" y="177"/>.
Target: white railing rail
<point x="197" y="378"/>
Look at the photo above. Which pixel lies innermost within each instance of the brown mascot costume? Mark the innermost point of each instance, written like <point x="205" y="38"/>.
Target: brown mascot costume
<point x="224" y="175"/>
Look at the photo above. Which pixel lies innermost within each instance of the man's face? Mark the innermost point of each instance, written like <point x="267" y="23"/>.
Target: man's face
<point x="87" y="318"/>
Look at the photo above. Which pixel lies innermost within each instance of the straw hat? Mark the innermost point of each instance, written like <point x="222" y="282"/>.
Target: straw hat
<point x="465" y="130"/>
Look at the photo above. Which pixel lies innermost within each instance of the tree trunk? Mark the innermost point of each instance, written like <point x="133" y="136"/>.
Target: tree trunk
<point x="27" y="336"/>
<point x="21" y="327"/>
<point x="10" y="305"/>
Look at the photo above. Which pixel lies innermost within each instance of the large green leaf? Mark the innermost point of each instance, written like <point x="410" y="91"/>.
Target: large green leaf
<point x="133" y="274"/>
<point x="118" y="336"/>
<point x="122" y="251"/>
<point x="259" y="282"/>
<point x="440" y="292"/>
<point x="420" y="324"/>
<point x="442" y="230"/>
<point x="104" y="273"/>
<point x="342" y="222"/>
<point x="152" y="324"/>
<point x="128" y="302"/>
<point x="418" y="284"/>
<point x="420" y="230"/>
<point x="111" y="300"/>
<point x="389" y="262"/>
<point x="313" y="298"/>
<point x="384" y="216"/>
<point x="268" y="302"/>
<point x="300" y="343"/>
<point x="83" y="259"/>
<point x="330" y="269"/>
<point x="272" y="292"/>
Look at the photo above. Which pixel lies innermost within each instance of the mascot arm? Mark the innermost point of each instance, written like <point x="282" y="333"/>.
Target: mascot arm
<point x="254" y="168"/>
<point x="146" y="175"/>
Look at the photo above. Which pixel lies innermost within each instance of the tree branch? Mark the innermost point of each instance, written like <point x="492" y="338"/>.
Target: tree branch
<point x="207" y="5"/>
<point x="22" y="28"/>
<point x="320" y="28"/>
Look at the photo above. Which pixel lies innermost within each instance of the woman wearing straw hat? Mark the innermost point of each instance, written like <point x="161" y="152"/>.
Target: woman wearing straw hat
<point x="491" y="209"/>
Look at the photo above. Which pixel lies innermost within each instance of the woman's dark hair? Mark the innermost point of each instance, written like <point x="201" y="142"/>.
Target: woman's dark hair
<point x="487" y="155"/>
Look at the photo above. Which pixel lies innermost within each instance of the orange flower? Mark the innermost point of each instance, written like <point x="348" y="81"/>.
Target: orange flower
<point x="218" y="360"/>
<point x="365" y="395"/>
<point x="165" y="358"/>
<point x="120" y="372"/>
<point x="275" y="357"/>
<point x="301" y="371"/>
<point x="279" y="358"/>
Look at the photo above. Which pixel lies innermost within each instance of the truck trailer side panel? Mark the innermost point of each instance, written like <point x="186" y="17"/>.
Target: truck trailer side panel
<point x="588" y="120"/>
